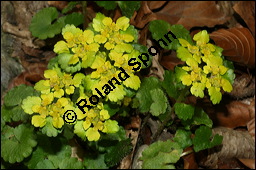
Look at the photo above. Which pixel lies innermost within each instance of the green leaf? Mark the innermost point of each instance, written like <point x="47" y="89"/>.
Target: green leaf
<point x="52" y="149"/>
<point x="132" y="31"/>
<point x="68" y="131"/>
<point x="159" y="104"/>
<point x="171" y="84"/>
<point x="13" y="114"/>
<point x="17" y="143"/>
<point x="45" y="164"/>
<point x="108" y="5"/>
<point x="184" y="111"/>
<point x="15" y="96"/>
<point x="75" y="18"/>
<point x="128" y="7"/>
<point x="118" y="152"/>
<point x="49" y="129"/>
<point x="230" y="76"/>
<point x="79" y="130"/>
<point x="70" y="163"/>
<point x="111" y="108"/>
<point x="156" y="32"/>
<point x="143" y="95"/>
<point x="41" y="24"/>
<point x="203" y="139"/>
<point x="95" y="161"/>
<point x="63" y="60"/>
<point x="199" y="118"/>
<point x="69" y="7"/>
<point x="161" y="155"/>
<point x="180" y="32"/>
<point x="183" y="53"/>
<point x="182" y="137"/>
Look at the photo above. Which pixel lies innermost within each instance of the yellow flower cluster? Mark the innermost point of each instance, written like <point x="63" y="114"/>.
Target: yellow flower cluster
<point x="105" y="47"/>
<point x="204" y="68"/>
<point x="51" y="102"/>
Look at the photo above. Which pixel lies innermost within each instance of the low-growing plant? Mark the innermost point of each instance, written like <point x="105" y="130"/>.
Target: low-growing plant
<point x="95" y="78"/>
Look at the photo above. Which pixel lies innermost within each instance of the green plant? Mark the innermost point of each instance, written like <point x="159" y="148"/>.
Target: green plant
<point x="204" y="68"/>
<point x="95" y="78"/>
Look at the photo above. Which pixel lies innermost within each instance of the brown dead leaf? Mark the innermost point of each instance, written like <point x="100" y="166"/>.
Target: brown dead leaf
<point x="189" y="160"/>
<point x="188" y="13"/>
<point x="30" y="76"/>
<point x="192" y="13"/>
<point x="238" y="45"/>
<point x="235" y="144"/>
<point x="230" y="114"/>
<point x="243" y="86"/>
<point x="58" y="4"/>
<point x="169" y="61"/>
<point x="250" y="163"/>
<point x="143" y="16"/>
<point x="238" y="114"/>
<point x="246" y="9"/>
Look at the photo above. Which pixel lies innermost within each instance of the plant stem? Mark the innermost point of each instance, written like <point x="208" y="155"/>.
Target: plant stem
<point x="84" y="5"/>
<point x="169" y="115"/>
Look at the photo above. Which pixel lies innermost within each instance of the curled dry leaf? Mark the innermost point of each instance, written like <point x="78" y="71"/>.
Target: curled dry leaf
<point x="246" y="9"/>
<point x="235" y="144"/>
<point x="58" y="4"/>
<point x="187" y="13"/>
<point x="238" y="45"/>
<point x="30" y="76"/>
<point x="238" y="114"/>
<point x="143" y="16"/>
<point x="192" y="13"/>
<point x="189" y="160"/>
<point x="169" y="61"/>
<point x="243" y="86"/>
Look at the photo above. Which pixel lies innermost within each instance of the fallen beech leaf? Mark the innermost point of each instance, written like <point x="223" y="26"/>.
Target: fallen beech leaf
<point x="235" y="144"/>
<point x="170" y="61"/>
<point x="251" y="123"/>
<point x="155" y="4"/>
<point x="246" y="9"/>
<point x="189" y="160"/>
<point x="243" y="86"/>
<point x="143" y="16"/>
<point x="238" y="45"/>
<point x="58" y="4"/>
<point x="30" y="76"/>
<point x="250" y="163"/>
<point x="192" y="13"/>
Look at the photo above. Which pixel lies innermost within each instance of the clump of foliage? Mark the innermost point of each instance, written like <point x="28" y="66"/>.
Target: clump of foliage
<point x="86" y="60"/>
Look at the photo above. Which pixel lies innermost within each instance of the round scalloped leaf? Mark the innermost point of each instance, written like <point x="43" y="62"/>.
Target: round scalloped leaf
<point x="49" y="129"/>
<point x="17" y="143"/>
<point x="203" y="139"/>
<point x="75" y="18"/>
<point x="108" y="5"/>
<point x="52" y="149"/>
<point x="94" y="161"/>
<point x="159" y="104"/>
<point x="41" y="24"/>
<point x="13" y="113"/>
<point x="15" y="96"/>
<point x="70" y="163"/>
<point x="184" y="111"/>
<point x="156" y="32"/>
<point x="143" y="95"/>
<point x="63" y="60"/>
<point x="128" y="7"/>
<point x="161" y="155"/>
<point x="79" y="130"/>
